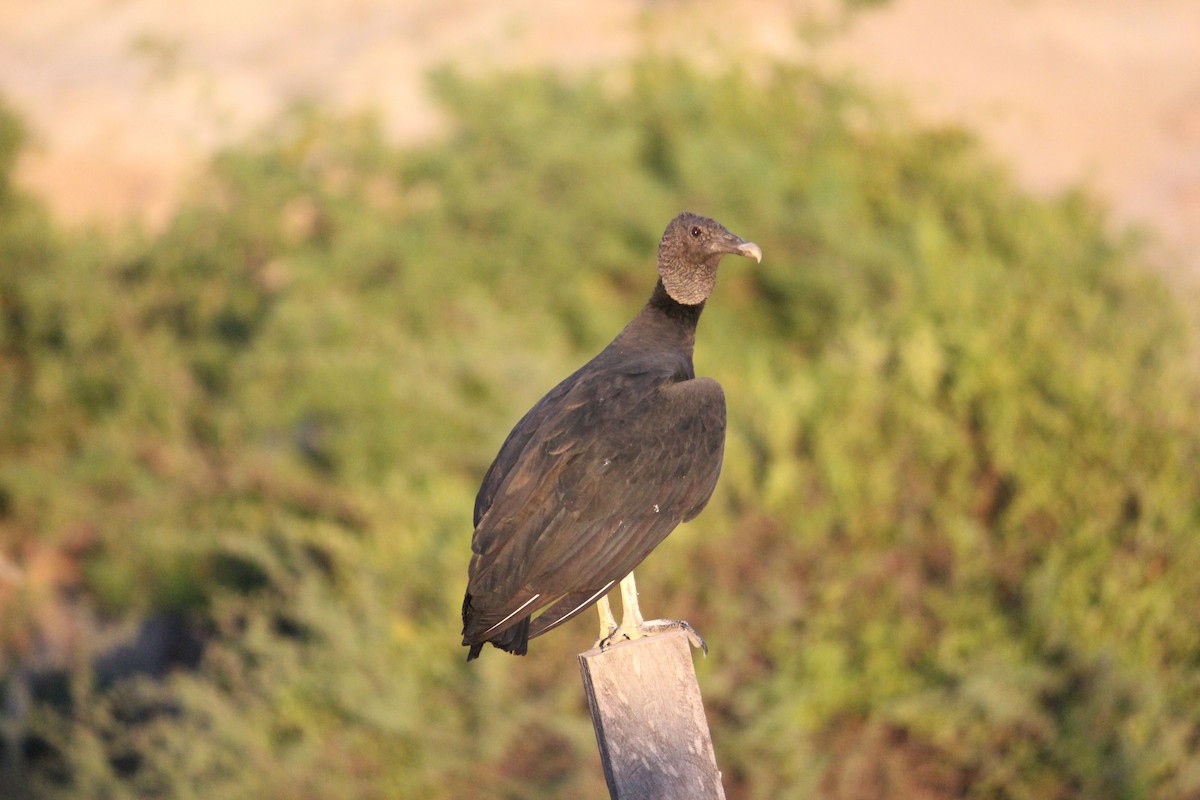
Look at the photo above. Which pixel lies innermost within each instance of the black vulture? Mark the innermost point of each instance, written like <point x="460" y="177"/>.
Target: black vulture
<point x="604" y="466"/>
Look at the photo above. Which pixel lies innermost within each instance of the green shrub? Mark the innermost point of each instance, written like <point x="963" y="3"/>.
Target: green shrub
<point x="950" y="554"/>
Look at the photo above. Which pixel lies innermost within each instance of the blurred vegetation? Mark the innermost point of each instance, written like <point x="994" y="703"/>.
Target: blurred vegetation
<point x="952" y="554"/>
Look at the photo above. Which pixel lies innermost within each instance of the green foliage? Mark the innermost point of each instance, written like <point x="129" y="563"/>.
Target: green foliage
<point x="950" y="555"/>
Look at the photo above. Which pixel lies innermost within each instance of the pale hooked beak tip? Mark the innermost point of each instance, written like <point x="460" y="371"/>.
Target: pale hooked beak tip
<point x="752" y="250"/>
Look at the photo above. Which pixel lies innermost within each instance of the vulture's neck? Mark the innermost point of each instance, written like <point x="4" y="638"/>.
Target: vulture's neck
<point x="663" y="323"/>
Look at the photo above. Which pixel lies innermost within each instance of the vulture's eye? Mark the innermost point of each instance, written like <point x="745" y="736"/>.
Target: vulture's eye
<point x="695" y="231"/>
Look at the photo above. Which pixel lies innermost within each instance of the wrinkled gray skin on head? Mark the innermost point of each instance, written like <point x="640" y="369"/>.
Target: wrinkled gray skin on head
<point x="688" y="255"/>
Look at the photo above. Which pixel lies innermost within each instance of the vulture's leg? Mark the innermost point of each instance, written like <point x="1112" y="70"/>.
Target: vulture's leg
<point x="608" y="623"/>
<point x="634" y="627"/>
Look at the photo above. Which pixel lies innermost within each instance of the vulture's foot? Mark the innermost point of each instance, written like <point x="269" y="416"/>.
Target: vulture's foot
<point x="634" y="627"/>
<point x="651" y="627"/>
<point x="608" y="624"/>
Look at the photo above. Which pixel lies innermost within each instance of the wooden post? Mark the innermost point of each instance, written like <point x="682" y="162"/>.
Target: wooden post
<point x="649" y="719"/>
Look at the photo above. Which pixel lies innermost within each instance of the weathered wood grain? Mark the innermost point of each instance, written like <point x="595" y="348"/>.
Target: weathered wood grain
<point x="649" y="720"/>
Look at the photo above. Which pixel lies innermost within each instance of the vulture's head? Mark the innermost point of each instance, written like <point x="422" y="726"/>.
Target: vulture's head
<point x="688" y="255"/>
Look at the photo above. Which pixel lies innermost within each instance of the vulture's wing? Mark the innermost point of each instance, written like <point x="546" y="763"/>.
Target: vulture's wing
<point x="605" y="470"/>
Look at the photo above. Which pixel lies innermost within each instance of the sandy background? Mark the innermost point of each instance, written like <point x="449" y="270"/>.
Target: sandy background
<point x="125" y="98"/>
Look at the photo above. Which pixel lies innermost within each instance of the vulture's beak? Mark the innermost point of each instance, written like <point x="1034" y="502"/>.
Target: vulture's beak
<point x="749" y="249"/>
<point x="735" y="245"/>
